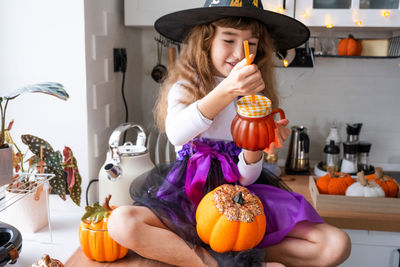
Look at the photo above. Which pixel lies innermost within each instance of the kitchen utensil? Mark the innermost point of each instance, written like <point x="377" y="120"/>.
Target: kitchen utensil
<point x="349" y="162"/>
<point x="11" y="244"/>
<point x="363" y="156"/>
<point x="123" y="165"/>
<point x="353" y="132"/>
<point x="159" y="71"/>
<point x="171" y="56"/>
<point x="297" y="159"/>
<point x="332" y="156"/>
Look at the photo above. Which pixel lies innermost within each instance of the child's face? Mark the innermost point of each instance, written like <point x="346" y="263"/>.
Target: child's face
<point x="227" y="48"/>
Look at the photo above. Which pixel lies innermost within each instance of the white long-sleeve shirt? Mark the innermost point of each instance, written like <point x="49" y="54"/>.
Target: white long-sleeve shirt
<point x="183" y="123"/>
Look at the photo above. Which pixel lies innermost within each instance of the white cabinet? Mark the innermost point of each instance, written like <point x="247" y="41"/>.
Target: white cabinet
<point x="319" y="13"/>
<point x="146" y="12"/>
<point x="348" y="13"/>
<point x="373" y="248"/>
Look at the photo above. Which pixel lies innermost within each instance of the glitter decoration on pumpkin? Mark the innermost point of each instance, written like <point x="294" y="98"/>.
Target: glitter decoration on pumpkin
<point x="253" y="128"/>
<point x="230" y="218"/>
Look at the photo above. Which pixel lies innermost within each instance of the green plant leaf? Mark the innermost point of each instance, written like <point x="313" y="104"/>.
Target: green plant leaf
<point x="51" y="88"/>
<point x="94" y="213"/>
<point x="52" y="159"/>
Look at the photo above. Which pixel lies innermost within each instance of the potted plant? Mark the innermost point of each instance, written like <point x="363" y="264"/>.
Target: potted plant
<point x="51" y="162"/>
<point x="50" y="88"/>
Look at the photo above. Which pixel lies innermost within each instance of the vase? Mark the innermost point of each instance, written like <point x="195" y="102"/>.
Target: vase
<point x="27" y="213"/>
<point x="6" y="166"/>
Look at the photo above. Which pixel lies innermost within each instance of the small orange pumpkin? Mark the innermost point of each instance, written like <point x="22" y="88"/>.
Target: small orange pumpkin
<point x="95" y="240"/>
<point x="334" y="183"/>
<point x="230" y="218"/>
<point x="387" y="183"/>
<point x="349" y="47"/>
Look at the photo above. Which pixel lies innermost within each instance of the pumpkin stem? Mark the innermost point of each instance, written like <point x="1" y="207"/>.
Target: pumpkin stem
<point x="239" y="198"/>
<point x="378" y="173"/>
<point x="331" y="171"/>
<point x="107" y="203"/>
<point x="361" y="178"/>
<point x="351" y="36"/>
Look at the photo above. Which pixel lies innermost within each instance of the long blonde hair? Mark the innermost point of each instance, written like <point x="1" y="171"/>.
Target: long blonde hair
<point x="195" y="67"/>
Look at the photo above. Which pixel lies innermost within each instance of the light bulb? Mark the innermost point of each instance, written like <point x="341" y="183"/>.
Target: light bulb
<point x="329" y="25"/>
<point x="286" y="63"/>
<point x="358" y="22"/>
<point x="386" y="14"/>
<point x="305" y="15"/>
<point x="280" y="10"/>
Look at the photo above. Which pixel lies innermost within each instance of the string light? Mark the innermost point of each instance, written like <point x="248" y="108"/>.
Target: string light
<point x="286" y="63"/>
<point x="280" y="10"/>
<point x="329" y="25"/>
<point x="358" y="22"/>
<point x="305" y="15"/>
<point x="386" y="14"/>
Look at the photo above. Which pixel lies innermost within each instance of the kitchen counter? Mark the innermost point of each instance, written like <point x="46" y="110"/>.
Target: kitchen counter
<point x="65" y="217"/>
<point x="344" y="219"/>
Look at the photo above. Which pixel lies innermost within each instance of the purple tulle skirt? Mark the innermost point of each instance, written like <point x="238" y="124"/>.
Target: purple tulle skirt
<point x="172" y="191"/>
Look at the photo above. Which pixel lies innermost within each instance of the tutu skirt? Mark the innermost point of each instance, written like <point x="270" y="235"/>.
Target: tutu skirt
<point x="172" y="191"/>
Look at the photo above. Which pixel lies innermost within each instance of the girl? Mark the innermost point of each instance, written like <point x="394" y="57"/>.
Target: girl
<point x="196" y="108"/>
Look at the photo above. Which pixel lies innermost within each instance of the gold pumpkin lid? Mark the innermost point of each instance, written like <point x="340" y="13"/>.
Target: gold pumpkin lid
<point x="258" y="107"/>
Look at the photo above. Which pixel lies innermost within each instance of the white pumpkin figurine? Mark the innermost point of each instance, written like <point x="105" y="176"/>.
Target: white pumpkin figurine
<point x="364" y="188"/>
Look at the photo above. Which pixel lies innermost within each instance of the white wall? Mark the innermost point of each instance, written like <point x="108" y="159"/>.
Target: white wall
<point x="43" y="40"/>
<point x="348" y="90"/>
<point x="105" y="31"/>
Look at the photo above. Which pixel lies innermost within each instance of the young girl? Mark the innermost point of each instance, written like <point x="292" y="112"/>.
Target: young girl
<point x="196" y="108"/>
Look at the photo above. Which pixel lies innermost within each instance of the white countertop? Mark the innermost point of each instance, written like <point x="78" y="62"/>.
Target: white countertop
<point x="62" y="243"/>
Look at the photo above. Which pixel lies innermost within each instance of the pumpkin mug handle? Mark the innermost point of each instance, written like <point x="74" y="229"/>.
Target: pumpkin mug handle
<point x="280" y="111"/>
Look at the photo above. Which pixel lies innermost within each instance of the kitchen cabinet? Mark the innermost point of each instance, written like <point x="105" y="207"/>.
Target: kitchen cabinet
<point x="348" y="13"/>
<point x="145" y="13"/>
<point x="373" y="248"/>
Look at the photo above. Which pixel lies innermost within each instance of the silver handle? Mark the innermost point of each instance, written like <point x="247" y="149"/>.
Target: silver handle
<point x="115" y="137"/>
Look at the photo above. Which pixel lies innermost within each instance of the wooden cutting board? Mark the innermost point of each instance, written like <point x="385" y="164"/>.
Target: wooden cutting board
<point x="132" y="259"/>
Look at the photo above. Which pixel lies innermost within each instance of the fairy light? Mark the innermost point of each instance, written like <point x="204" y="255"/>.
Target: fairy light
<point x="358" y="22"/>
<point x="386" y="14"/>
<point x="305" y="15"/>
<point x="329" y="25"/>
<point x="286" y="63"/>
<point x="280" y="10"/>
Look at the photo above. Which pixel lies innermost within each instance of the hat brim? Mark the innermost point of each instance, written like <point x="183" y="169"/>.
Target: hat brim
<point x="285" y="31"/>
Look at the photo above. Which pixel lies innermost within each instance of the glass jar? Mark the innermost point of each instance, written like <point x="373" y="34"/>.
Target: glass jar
<point x="349" y="162"/>
<point x="363" y="156"/>
<point x="331" y="157"/>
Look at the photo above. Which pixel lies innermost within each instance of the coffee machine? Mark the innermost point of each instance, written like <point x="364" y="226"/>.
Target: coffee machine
<point x="297" y="161"/>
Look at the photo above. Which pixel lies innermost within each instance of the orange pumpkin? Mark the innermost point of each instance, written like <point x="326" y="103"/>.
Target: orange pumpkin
<point x="95" y="240"/>
<point x="253" y="128"/>
<point x="230" y="218"/>
<point x="387" y="183"/>
<point x="349" y="47"/>
<point x="334" y="183"/>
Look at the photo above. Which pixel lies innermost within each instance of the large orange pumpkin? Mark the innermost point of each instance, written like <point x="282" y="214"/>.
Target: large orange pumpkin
<point x="253" y="128"/>
<point x="334" y="183"/>
<point x="387" y="183"/>
<point x="95" y="240"/>
<point x="230" y="218"/>
<point x="349" y="47"/>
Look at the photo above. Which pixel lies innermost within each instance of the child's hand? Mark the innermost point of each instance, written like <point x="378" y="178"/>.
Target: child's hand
<point x="244" y="79"/>
<point x="281" y="134"/>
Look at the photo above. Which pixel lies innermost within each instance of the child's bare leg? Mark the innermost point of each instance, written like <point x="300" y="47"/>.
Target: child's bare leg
<point x="309" y="244"/>
<point x="140" y="230"/>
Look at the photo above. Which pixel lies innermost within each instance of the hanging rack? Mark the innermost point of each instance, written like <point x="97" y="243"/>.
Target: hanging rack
<point x="165" y="42"/>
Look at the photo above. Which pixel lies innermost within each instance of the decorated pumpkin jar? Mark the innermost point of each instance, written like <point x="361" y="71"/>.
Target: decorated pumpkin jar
<point x="253" y="128"/>
<point x="230" y="218"/>
<point x="96" y="242"/>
